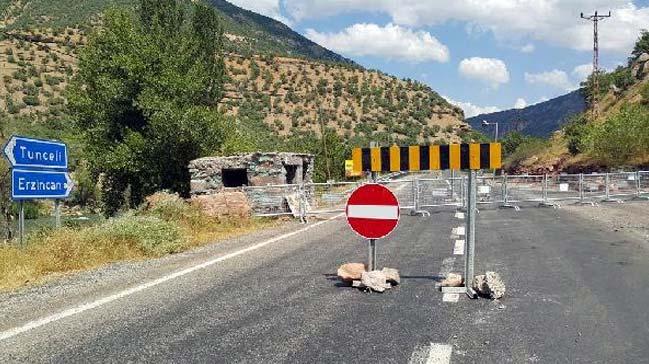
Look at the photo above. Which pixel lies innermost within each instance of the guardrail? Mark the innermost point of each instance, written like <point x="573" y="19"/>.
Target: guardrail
<point x="418" y="191"/>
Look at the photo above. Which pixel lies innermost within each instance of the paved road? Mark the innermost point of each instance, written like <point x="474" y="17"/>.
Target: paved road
<point x="576" y="293"/>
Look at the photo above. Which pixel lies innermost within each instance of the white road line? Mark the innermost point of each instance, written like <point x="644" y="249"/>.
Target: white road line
<point x="459" y="215"/>
<point x="458" y="231"/>
<point x="432" y="354"/>
<point x="102" y="301"/>
<point x="458" y="249"/>
<point x="450" y="297"/>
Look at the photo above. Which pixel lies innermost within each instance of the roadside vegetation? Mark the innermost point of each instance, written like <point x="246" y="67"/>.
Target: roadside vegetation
<point x="171" y="225"/>
<point x="617" y="138"/>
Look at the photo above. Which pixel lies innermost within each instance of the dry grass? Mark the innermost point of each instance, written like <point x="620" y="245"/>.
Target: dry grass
<point x="169" y="228"/>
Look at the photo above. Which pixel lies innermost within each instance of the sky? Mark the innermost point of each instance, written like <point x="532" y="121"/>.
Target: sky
<point x="482" y="55"/>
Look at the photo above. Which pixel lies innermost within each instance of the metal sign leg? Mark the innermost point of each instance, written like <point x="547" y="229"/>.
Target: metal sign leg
<point x="21" y="222"/>
<point x="469" y="247"/>
<point x="371" y="256"/>
<point x="57" y="213"/>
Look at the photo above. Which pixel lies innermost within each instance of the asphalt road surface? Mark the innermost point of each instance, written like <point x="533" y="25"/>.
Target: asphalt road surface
<point x="575" y="293"/>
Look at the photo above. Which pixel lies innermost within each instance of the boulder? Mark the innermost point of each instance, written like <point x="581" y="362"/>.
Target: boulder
<point x="375" y="280"/>
<point x="644" y="57"/>
<point x="489" y="285"/>
<point x="452" y="280"/>
<point x="392" y="276"/>
<point x="351" y="271"/>
<point x="233" y="204"/>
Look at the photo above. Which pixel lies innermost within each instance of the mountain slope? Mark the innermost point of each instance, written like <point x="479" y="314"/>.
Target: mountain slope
<point x="266" y="35"/>
<point x="274" y="75"/>
<point x="540" y="120"/>
<point x="246" y="31"/>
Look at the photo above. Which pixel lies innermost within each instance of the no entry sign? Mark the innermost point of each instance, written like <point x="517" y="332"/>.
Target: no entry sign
<point x="372" y="211"/>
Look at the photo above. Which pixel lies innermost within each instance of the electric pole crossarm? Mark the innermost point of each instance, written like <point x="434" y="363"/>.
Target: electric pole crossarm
<point x="595" y="18"/>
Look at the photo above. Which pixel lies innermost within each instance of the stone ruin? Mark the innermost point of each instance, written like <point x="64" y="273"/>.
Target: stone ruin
<point x="226" y="178"/>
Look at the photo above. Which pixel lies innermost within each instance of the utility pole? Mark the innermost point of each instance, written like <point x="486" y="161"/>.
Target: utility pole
<point x="595" y="18"/>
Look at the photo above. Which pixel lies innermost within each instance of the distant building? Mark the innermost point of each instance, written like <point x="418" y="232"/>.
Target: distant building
<point x="220" y="176"/>
<point x="213" y="174"/>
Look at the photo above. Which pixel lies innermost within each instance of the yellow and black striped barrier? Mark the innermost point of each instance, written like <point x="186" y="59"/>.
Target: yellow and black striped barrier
<point x="427" y="157"/>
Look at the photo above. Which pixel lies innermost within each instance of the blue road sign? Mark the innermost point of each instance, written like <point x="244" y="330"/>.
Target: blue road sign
<point x="36" y="153"/>
<point x="33" y="184"/>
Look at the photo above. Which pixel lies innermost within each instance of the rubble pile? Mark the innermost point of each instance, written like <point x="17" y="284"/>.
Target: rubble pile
<point x="375" y="281"/>
<point x="489" y="285"/>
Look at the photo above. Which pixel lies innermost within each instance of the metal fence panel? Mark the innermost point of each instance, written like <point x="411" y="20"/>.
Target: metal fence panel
<point x="440" y="191"/>
<point x="328" y="197"/>
<point x="432" y="190"/>
<point x="404" y="189"/>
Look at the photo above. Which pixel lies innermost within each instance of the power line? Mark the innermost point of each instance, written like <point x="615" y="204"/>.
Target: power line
<point x="595" y="18"/>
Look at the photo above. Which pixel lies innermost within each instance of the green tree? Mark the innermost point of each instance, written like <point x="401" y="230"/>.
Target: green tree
<point x="641" y="45"/>
<point x="145" y="97"/>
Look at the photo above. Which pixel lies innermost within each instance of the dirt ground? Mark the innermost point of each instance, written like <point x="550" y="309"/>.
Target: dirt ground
<point x="630" y="217"/>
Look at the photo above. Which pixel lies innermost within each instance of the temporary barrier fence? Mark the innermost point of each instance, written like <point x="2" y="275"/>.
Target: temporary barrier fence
<point x="418" y="191"/>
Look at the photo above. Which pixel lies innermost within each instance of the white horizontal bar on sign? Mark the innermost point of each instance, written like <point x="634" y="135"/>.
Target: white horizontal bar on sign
<point x="379" y="212"/>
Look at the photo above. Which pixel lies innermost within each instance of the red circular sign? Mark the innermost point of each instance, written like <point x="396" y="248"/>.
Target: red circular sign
<point x="372" y="211"/>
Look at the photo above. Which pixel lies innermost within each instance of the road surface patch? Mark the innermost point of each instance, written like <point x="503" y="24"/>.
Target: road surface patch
<point x="432" y="354"/>
<point x="127" y="292"/>
<point x="450" y="297"/>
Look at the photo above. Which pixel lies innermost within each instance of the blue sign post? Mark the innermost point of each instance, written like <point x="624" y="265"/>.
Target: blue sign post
<point x="39" y="171"/>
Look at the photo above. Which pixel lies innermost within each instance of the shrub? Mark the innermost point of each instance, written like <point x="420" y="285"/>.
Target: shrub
<point x="31" y="100"/>
<point x="149" y="234"/>
<point x="20" y="75"/>
<point x="623" y="137"/>
<point x="645" y="94"/>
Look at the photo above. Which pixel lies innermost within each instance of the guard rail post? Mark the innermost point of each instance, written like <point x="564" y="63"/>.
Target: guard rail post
<point x="546" y="202"/>
<point x="581" y="188"/>
<point x="303" y="200"/>
<point x="607" y="189"/>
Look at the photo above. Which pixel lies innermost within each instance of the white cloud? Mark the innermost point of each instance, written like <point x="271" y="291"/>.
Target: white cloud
<point x="470" y="109"/>
<point x="554" y="78"/>
<point x="551" y="21"/>
<point x="490" y="70"/>
<point x="269" y="8"/>
<point x="520" y="103"/>
<point x="391" y="41"/>
<point x="528" y="48"/>
<point x="582" y="71"/>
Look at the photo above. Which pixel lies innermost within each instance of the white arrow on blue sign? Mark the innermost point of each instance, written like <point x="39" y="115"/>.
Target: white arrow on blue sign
<point x="36" y="153"/>
<point x="33" y="184"/>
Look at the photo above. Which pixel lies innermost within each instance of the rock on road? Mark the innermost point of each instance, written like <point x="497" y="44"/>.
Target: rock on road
<point x="576" y="292"/>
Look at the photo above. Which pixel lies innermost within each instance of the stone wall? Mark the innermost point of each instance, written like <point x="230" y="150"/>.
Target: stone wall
<point x="262" y="169"/>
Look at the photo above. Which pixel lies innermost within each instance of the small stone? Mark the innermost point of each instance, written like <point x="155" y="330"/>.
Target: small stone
<point x="496" y="285"/>
<point x="452" y="280"/>
<point x="392" y="276"/>
<point x="351" y="271"/>
<point x="375" y="280"/>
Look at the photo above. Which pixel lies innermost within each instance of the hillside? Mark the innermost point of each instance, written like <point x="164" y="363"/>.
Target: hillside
<point x="618" y="138"/>
<point x="539" y="120"/>
<point x="246" y="32"/>
<point x="291" y="94"/>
